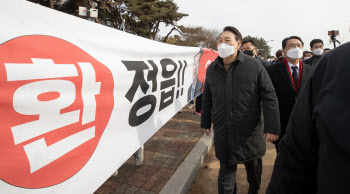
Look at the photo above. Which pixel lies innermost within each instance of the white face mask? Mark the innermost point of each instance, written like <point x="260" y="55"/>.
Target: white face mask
<point x="295" y="53"/>
<point x="306" y="58"/>
<point x="318" y="51"/>
<point x="226" y="50"/>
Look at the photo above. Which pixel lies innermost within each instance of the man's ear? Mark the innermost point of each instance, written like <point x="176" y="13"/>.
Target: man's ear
<point x="239" y="44"/>
<point x="284" y="53"/>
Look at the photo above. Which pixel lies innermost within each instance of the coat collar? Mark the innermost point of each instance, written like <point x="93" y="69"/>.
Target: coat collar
<point x="304" y="76"/>
<point x="219" y="61"/>
<point x="285" y="74"/>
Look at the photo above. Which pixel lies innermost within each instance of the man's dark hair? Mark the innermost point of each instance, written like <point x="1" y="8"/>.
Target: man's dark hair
<point x="238" y="35"/>
<point x="247" y="41"/>
<point x="278" y="53"/>
<point x="284" y="42"/>
<point x="327" y="49"/>
<point x="314" y="41"/>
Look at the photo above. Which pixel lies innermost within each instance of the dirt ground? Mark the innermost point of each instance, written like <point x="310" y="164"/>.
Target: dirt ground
<point x="206" y="180"/>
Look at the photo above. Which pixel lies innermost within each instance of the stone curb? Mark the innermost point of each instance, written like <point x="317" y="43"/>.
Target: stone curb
<point x="184" y="176"/>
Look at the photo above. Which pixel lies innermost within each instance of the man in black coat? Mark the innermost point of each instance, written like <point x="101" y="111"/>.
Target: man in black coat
<point x="316" y="46"/>
<point x="288" y="77"/>
<point x="249" y="48"/>
<point x="236" y="88"/>
<point x="314" y="155"/>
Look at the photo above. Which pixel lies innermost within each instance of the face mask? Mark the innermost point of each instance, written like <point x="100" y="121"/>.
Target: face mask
<point x="248" y="52"/>
<point x="318" y="51"/>
<point x="226" y="50"/>
<point x="306" y="58"/>
<point x="295" y="53"/>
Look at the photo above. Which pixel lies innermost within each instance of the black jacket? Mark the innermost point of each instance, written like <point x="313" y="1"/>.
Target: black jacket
<point x="232" y="102"/>
<point x="312" y="60"/>
<point x="285" y="90"/>
<point x="265" y="63"/>
<point x="314" y="155"/>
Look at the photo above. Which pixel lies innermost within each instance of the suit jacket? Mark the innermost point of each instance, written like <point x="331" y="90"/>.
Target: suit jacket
<point x="314" y="155"/>
<point x="197" y="91"/>
<point x="285" y="91"/>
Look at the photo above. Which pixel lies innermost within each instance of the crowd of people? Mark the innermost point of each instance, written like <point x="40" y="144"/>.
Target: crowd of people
<point x="249" y="48"/>
<point x="298" y="100"/>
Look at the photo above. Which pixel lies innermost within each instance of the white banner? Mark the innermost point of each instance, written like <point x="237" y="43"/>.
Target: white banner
<point x="77" y="99"/>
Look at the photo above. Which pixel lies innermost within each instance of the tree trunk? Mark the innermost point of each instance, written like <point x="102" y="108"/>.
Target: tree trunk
<point x="166" y="37"/>
<point x="155" y="32"/>
<point x="130" y="23"/>
<point x="150" y="26"/>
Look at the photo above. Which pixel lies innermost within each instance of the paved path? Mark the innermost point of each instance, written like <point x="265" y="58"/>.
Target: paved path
<point x="206" y="180"/>
<point x="164" y="152"/>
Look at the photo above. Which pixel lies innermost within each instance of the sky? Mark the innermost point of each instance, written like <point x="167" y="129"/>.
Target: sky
<point x="271" y="19"/>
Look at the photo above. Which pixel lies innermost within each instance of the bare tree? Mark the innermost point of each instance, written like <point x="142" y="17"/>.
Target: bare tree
<point x="193" y="36"/>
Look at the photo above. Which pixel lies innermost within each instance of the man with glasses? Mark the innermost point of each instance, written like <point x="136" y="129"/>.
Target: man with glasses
<point x="315" y="153"/>
<point x="316" y="46"/>
<point x="288" y="78"/>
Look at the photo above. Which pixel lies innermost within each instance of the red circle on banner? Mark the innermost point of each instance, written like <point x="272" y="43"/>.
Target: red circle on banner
<point x="15" y="165"/>
<point x="208" y="56"/>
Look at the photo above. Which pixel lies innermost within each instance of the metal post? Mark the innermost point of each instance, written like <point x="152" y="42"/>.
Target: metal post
<point x="88" y="11"/>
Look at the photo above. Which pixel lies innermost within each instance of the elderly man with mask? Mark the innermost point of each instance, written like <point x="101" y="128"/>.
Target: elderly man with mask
<point x="237" y="90"/>
<point x="249" y="48"/>
<point x="316" y="46"/>
<point x="288" y="78"/>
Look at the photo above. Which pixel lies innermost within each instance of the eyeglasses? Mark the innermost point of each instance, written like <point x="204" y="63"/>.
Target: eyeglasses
<point x="294" y="46"/>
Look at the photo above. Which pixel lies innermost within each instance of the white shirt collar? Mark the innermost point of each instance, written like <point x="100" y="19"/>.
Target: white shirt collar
<point x="291" y="65"/>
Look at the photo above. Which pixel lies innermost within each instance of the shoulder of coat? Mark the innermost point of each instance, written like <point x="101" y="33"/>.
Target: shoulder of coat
<point x="274" y="66"/>
<point x="251" y="61"/>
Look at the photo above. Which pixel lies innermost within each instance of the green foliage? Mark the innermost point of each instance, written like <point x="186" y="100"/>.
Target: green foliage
<point x="261" y="45"/>
<point x="147" y="15"/>
<point x="144" y="19"/>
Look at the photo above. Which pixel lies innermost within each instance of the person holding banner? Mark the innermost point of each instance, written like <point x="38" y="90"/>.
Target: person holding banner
<point x="237" y="90"/>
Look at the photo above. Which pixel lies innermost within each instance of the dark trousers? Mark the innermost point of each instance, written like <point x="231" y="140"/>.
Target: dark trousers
<point x="227" y="176"/>
<point x="199" y="103"/>
<point x="276" y="144"/>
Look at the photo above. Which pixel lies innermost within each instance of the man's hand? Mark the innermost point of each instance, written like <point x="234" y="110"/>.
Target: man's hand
<point x="207" y="131"/>
<point x="271" y="137"/>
